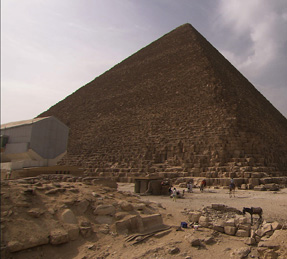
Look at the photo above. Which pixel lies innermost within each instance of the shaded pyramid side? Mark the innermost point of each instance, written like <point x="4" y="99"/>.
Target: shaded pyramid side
<point x="175" y="103"/>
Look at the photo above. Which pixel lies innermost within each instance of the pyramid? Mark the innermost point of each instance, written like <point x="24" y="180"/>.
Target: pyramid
<point x="176" y="108"/>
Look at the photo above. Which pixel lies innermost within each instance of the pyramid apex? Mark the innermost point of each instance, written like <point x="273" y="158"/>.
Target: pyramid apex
<point x="186" y="26"/>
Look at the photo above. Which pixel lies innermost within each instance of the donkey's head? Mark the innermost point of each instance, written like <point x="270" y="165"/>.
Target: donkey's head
<point x="244" y="210"/>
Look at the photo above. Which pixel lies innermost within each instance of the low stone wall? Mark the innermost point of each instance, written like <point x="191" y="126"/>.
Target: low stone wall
<point x="176" y="177"/>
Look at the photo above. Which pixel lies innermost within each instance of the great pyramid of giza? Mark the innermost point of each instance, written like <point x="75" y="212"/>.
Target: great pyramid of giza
<point x="176" y="107"/>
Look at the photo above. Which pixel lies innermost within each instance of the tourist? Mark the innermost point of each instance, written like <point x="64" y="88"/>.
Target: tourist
<point x="174" y="194"/>
<point x="189" y="187"/>
<point x="231" y="188"/>
<point x="202" y="185"/>
<point x="8" y="174"/>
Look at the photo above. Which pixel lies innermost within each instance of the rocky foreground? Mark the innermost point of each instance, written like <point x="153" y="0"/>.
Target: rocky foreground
<point x="60" y="216"/>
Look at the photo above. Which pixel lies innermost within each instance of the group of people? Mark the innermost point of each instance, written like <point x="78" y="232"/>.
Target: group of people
<point x="174" y="193"/>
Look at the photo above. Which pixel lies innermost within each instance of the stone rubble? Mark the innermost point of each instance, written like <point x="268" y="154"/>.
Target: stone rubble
<point x="101" y="210"/>
<point x="76" y="214"/>
<point x="230" y="221"/>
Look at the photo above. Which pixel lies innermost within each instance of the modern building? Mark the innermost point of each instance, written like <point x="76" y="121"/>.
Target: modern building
<point x="33" y="143"/>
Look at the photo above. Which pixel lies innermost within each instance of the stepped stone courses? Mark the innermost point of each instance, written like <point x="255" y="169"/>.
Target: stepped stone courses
<point x="176" y="107"/>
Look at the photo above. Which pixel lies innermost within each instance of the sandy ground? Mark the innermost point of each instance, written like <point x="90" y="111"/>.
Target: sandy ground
<point x="274" y="205"/>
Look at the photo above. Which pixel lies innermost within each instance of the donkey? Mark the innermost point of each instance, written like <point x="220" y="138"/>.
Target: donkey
<point x="253" y="211"/>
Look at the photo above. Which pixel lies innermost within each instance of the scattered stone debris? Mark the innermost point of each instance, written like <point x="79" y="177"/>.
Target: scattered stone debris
<point x="230" y="221"/>
<point x="98" y="212"/>
<point x="42" y="204"/>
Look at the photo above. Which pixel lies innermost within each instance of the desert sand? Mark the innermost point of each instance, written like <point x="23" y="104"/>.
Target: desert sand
<point x="173" y="243"/>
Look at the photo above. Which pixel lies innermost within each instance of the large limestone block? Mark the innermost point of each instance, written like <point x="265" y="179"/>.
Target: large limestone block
<point x="130" y="224"/>
<point x="82" y="206"/>
<point x="275" y="225"/>
<point x="271" y="187"/>
<point x="15" y="246"/>
<point x="204" y="221"/>
<point x="72" y="230"/>
<point x="247" y="174"/>
<point x="86" y="231"/>
<point x="265" y="230"/>
<point x="104" y="219"/>
<point x="152" y="221"/>
<point x="229" y="230"/>
<point x="120" y="215"/>
<point x="230" y="222"/>
<point x="267" y="180"/>
<point x="253" y="181"/>
<point x="262" y="232"/>
<point x="219" y="226"/>
<point x="126" y="206"/>
<point x="244" y="186"/>
<point x="59" y="236"/>
<point x="256" y="175"/>
<point x="259" y="188"/>
<point x="67" y="216"/>
<point x="240" y="253"/>
<point x="105" y="210"/>
<point x="194" y="216"/>
<point x="242" y="233"/>
<point x="245" y="226"/>
<point x="37" y="239"/>
<point x="242" y="220"/>
<point x="250" y="241"/>
<point x="275" y="241"/>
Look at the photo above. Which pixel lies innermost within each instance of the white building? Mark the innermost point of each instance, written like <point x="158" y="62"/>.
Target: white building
<point x="33" y="143"/>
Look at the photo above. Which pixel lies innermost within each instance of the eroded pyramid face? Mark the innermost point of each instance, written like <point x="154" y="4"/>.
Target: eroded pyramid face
<point x="177" y="103"/>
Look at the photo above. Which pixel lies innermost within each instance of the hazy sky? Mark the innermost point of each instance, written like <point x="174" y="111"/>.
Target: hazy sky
<point x="51" y="48"/>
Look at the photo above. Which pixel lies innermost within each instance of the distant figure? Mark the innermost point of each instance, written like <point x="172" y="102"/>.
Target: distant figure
<point x="202" y="185"/>
<point x="231" y="188"/>
<point x="8" y="174"/>
<point x="174" y="194"/>
<point x="189" y="187"/>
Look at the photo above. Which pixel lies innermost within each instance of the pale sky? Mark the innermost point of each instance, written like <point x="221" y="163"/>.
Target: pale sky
<point x="51" y="48"/>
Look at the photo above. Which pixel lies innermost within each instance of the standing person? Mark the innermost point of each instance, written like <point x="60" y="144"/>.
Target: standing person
<point x="8" y="174"/>
<point x="188" y="187"/>
<point x="231" y="188"/>
<point x="174" y="193"/>
<point x="202" y="185"/>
